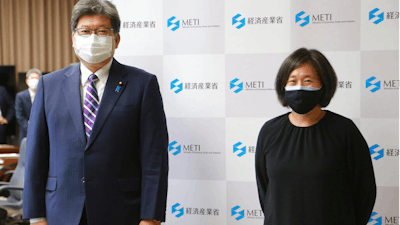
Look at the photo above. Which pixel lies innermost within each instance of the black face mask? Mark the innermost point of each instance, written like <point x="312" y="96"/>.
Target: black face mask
<point x="302" y="99"/>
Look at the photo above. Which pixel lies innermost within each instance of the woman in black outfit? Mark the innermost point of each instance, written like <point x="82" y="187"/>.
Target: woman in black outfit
<point x="313" y="166"/>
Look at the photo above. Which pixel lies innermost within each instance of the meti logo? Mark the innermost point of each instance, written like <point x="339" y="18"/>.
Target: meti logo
<point x="241" y="22"/>
<point x="242" y="149"/>
<point x="175" y="25"/>
<point x="374" y="219"/>
<point x="372" y="15"/>
<point x="239" y="85"/>
<point x="174" y="85"/>
<point x="172" y="147"/>
<point x="373" y="152"/>
<point x="234" y="212"/>
<point x="376" y="84"/>
<point x="299" y="18"/>
<point x="174" y="209"/>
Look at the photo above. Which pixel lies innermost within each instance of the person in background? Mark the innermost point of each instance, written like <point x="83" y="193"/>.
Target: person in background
<point x="24" y="100"/>
<point x="7" y="112"/>
<point x="97" y="143"/>
<point x="312" y="166"/>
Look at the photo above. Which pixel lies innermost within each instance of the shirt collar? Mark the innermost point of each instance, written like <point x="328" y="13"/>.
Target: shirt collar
<point x="102" y="73"/>
<point x="31" y="93"/>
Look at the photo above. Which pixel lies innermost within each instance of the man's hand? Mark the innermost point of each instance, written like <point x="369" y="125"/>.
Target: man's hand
<point x="44" y="222"/>
<point x="3" y="120"/>
<point x="149" y="222"/>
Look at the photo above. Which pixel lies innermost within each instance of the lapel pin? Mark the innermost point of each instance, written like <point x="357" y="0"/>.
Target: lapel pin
<point x="118" y="87"/>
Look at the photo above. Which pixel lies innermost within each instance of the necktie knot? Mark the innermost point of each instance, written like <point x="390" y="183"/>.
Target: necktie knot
<point x="93" y="78"/>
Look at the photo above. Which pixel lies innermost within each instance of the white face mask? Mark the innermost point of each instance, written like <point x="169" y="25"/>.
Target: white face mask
<point x="33" y="83"/>
<point x="94" y="49"/>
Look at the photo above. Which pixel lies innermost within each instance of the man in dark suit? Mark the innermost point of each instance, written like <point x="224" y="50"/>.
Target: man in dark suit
<point x="7" y="112"/>
<point x="97" y="138"/>
<point x="24" y="100"/>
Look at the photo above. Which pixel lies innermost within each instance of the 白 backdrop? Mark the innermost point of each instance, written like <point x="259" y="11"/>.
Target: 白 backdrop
<point x="216" y="63"/>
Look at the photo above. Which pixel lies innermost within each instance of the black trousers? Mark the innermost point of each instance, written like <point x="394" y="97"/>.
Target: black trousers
<point x="83" y="218"/>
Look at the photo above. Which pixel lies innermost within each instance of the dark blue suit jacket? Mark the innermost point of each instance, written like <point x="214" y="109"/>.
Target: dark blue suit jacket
<point x="120" y="174"/>
<point x="23" y="107"/>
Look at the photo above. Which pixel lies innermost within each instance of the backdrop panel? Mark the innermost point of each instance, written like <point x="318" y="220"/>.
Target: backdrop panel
<point x="216" y="62"/>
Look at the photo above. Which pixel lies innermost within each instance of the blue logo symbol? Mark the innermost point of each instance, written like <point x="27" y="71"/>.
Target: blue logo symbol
<point x="242" y="149"/>
<point x="241" y="22"/>
<point x="372" y="152"/>
<point x="239" y="85"/>
<point x="234" y="212"/>
<point x="374" y="217"/>
<point x="372" y="15"/>
<point x="376" y="84"/>
<point x="174" y="85"/>
<point x="172" y="147"/>
<point x="177" y="210"/>
<point x="306" y="19"/>
<point x="175" y="25"/>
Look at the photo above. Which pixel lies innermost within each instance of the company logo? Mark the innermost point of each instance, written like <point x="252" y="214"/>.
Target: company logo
<point x="305" y="18"/>
<point x="379" y="153"/>
<point x="174" y="25"/>
<point x="240" y="213"/>
<point x="190" y="148"/>
<point x="237" y="148"/>
<point x="172" y="147"/>
<point x="178" y="86"/>
<point x="376" y="84"/>
<point x="193" y="211"/>
<point x="174" y="85"/>
<point x="189" y="23"/>
<point x="239" y="85"/>
<point x="372" y="15"/>
<point x="241" y="22"/>
<point x="375" y="219"/>
<point x="180" y="211"/>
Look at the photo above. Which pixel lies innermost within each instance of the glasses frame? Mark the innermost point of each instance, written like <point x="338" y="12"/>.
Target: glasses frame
<point x="94" y="31"/>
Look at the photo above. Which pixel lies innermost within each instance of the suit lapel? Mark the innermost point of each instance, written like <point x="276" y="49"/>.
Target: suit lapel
<point x="110" y="97"/>
<point x="72" y="92"/>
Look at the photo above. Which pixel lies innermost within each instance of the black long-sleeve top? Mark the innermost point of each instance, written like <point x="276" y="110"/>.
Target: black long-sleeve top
<point x="321" y="174"/>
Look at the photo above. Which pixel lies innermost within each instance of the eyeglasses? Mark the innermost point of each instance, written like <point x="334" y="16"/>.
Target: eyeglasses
<point x="87" y="32"/>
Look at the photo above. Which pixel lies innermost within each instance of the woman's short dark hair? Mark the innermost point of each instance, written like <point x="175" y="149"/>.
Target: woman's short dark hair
<point x="93" y="7"/>
<point x="325" y="72"/>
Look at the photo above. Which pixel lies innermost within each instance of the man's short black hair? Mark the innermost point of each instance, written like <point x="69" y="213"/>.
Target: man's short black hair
<point x="324" y="70"/>
<point x="95" y="7"/>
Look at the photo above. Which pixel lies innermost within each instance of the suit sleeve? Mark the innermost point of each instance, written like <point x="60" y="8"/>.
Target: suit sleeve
<point x="19" y="112"/>
<point x="361" y="175"/>
<point x="261" y="168"/>
<point x="37" y="159"/>
<point x="153" y="153"/>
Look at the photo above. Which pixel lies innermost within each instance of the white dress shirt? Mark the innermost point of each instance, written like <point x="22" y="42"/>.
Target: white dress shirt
<point x="102" y="74"/>
<point x="31" y="94"/>
<point x="100" y="84"/>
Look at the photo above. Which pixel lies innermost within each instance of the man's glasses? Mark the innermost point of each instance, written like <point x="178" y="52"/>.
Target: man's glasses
<point x="87" y="32"/>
